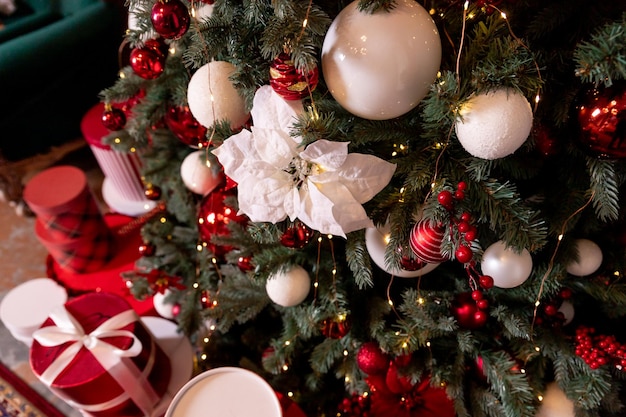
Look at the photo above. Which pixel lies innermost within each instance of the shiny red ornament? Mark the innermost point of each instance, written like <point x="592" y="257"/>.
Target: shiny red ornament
<point x="371" y="359"/>
<point x="214" y="217"/>
<point x="467" y="313"/>
<point x="296" y="236"/>
<point x="185" y="127"/>
<point x="206" y="301"/>
<point x="601" y="114"/>
<point x="148" y="62"/>
<point x="426" y="241"/>
<point x="152" y="192"/>
<point x="289" y="82"/>
<point x="113" y="118"/>
<point x="245" y="263"/>
<point x="170" y="18"/>
<point x="146" y="249"/>
<point x="336" y="327"/>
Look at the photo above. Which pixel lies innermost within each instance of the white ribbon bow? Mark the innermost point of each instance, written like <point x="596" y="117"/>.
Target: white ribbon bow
<point x="68" y="329"/>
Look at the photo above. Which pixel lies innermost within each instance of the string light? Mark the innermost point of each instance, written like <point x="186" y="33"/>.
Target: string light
<point x="540" y="397"/>
<point x="117" y="140"/>
<point x="163" y="220"/>
<point x="199" y="248"/>
<point x="195" y="285"/>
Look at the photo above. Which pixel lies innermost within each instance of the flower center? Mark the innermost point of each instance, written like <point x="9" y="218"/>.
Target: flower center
<point x="300" y="169"/>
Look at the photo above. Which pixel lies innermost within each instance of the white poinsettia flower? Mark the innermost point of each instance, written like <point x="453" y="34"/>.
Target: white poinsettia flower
<point x="322" y="185"/>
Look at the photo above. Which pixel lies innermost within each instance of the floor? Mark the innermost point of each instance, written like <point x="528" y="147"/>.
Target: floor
<point x="22" y="257"/>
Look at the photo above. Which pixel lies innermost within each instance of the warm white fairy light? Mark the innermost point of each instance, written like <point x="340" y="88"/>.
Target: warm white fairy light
<point x="199" y="248"/>
<point x="347" y="379"/>
<point x="540" y="397"/>
<point x="122" y="75"/>
<point x="560" y="237"/>
<point x="195" y="285"/>
<point x="428" y="344"/>
<point x="206" y="340"/>
<point x="316" y="284"/>
<point x="421" y="301"/>
<point x="203" y="356"/>
<point x="345" y="353"/>
<point x="287" y="343"/>
<point x="163" y="220"/>
<point x="285" y="367"/>
<point x="503" y="15"/>
<point x="290" y="394"/>
<point x="537" y="98"/>
<point x="537" y="303"/>
<point x="405" y="345"/>
<point x="537" y="348"/>
<point x="133" y="150"/>
<point x="305" y="22"/>
<point x="117" y="140"/>
<point x="390" y="302"/>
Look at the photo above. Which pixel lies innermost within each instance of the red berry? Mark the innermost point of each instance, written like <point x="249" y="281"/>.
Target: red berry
<point x="461" y="186"/>
<point x="550" y="309"/>
<point x="485" y="281"/>
<point x="463" y="254"/>
<point x="482" y="304"/>
<point x="459" y="195"/>
<point x="445" y="198"/>
<point x="470" y="235"/>
<point x="565" y="293"/>
<point x="464" y="227"/>
<point x="480" y="318"/>
<point x="477" y="295"/>
<point x="466" y="217"/>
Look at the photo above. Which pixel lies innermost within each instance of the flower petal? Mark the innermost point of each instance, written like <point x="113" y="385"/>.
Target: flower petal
<point x="330" y="155"/>
<point x="234" y="154"/>
<point x="364" y="176"/>
<point x="274" y="146"/>
<point x="262" y="200"/>
<point x="271" y="111"/>
<point x="330" y="209"/>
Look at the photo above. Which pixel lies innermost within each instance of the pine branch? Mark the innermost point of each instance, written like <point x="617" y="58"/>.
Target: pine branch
<point x="604" y="189"/>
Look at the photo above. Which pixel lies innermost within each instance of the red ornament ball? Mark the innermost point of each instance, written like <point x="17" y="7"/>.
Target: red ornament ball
<point x="601" y="114"/>
<point x="289" y="82"/>
<point x="426" y="241"/>
<point x="153" y="193"/>
<point x="214" y="217"/>
<point x="170" y="18"/>
<point x="113" y="118"/>
<point x="245" y="263"/>
<point x="148" y="61"/>
<point x="296" y="236"/>
<point x="206" y="301"/>
<point x="336" y="327"/>
<point x="146" y="249"/>
<point x="185" y="127"/>
<point x="371" y="359"/>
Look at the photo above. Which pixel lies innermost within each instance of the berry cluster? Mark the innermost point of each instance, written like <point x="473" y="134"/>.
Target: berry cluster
<point x="598" y="350"/>
<point x="479" y="282"/>
<point x="355" y="406"/>
<point x="466" y="231"/>
<point x="550" y="315"/>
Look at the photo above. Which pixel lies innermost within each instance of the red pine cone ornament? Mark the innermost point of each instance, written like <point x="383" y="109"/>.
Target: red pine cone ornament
<point x="170" y="18"/>
<point x="289" y="82"/>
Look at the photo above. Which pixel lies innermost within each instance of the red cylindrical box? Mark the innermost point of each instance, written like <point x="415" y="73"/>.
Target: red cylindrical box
<point x="84" y="382"/>
<point x="62" y="201"/>
<point x="84" y="254"/>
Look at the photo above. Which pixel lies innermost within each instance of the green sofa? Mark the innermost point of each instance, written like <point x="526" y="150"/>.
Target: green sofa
<point x="55" y="57"/>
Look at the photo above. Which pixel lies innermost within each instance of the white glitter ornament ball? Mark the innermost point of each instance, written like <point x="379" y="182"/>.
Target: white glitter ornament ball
<point x="289" y="288"/>
<point x="589" y="258"/>
<point x="376" y="241"/>
<point x="197" y="175"/>
<point x="494" y="124"/>
<point x="506" y="266"/>
<point x="212" y="96"/>
<point x="380" y="66"/>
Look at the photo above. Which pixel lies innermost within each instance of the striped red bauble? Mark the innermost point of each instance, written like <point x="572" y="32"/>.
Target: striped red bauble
<point x="426" y="241"/>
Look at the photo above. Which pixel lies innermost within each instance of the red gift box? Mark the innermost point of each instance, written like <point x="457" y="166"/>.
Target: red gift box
<point x="95" y="354"/>
<point x="63" y="203"/>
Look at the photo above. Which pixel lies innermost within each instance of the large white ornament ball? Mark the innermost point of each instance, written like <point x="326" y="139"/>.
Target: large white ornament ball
<point x="494" y="124"/>
<point x="376" y="241"/>
<point x="506" y="266"/>
<point x="589" y="258"/>
<point x="289" y="288"/>
<point x="212" y="96"/>
<point x="379" y="66"/>
<point x="555" y="403"/>
<point x="164" y="309"/>
<point x="197" y="175"/>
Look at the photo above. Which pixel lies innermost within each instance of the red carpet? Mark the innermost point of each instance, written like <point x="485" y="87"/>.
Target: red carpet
<point x="17" y="399"/>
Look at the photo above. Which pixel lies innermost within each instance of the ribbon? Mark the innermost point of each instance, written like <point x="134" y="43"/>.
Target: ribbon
<point x="113" y="359"/>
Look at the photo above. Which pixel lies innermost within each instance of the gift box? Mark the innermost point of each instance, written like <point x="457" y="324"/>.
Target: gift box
<point x="62" y="201"/>
<point x="122" y="188"/>
<point x="96" y="355"/>
<point x="25" y="307"/>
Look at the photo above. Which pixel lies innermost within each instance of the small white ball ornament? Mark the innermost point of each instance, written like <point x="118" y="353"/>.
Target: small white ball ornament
<point x="506" y="266"/>
<point x="589" y="258"/>
<point x="197" y="175"/>
<point x="164" y="309"/>
<point x="376" y="241"/>
<point x="380" y="66"/>
<point x="555" y="403"/>
<point x="494" y="124"/>
<point x="212" y="96"/>
<point x="289" y="288"/>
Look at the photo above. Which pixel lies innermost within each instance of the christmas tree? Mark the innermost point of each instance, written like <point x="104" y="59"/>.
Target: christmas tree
<point x="387" y="207"/>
